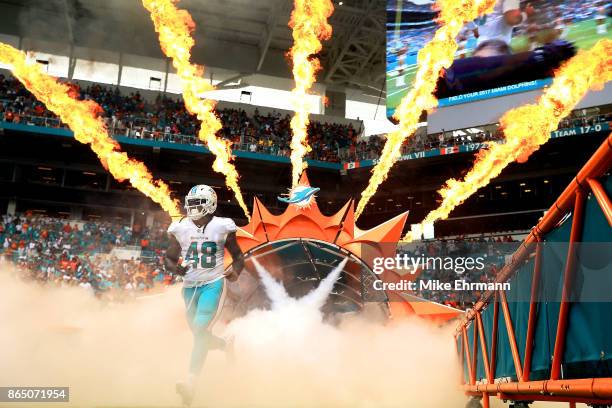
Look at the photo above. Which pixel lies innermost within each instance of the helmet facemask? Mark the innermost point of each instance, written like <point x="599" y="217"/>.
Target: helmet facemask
<point x="200" y="202"/>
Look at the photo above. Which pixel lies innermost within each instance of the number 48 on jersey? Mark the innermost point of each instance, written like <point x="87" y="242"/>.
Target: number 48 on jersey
<point x="203" y="255"/>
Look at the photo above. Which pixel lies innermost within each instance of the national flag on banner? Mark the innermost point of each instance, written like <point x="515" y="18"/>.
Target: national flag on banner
<point x="351" y="165"/>
<point x="449" y="150"/>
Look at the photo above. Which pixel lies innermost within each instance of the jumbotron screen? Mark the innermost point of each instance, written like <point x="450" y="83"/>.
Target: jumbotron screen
<point x="513" y="49"/>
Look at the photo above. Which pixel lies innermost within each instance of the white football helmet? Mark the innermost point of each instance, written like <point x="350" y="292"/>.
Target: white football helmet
<point x="200" y="201"/>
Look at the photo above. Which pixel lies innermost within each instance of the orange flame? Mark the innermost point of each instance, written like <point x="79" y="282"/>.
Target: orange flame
<point x="310" y="26"/>
<point x="174" y="28"/>
<point x="88" y="128"/>
<point x="528" y="127"/>
<point x="432" y="59"/>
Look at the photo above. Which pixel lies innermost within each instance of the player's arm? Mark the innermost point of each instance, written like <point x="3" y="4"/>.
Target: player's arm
<point x="171" y="260"/>
<point x="513" y="15"/>
<point x="237" y="256"/>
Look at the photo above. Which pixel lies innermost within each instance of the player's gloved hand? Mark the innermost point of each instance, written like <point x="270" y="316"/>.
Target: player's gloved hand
<point x="237" y="267"/>
<point x="183" y="267"/>
<point x="232" y="276"/>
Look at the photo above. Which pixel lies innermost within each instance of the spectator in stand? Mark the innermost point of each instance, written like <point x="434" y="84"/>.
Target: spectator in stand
<point x="58" y="252"/>
<point x="493" y="252"/>
<point x="166" y="119"/>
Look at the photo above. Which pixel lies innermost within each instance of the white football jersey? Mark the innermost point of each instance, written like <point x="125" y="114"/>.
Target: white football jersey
<point x="203" y="247"/>
<point x="493" y="26"/>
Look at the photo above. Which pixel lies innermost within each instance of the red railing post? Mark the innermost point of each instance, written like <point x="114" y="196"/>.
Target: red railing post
<point x="494" y="335"/>
<point x="575" y="236"/>
<point x="485" y="400"/>
<point x="466" y="348"/>
<point x="474" y="353"/>
<point x="485" y="358"/>
<point x="602" y="198"/>
<point x="533" y="304"/>
<point x="483" y="347"/>
<point x="511" y="336"/>
<point x="460" y="355"/>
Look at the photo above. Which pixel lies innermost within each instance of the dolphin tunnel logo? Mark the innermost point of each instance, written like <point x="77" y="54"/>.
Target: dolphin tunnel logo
<point x="301" y="196"/>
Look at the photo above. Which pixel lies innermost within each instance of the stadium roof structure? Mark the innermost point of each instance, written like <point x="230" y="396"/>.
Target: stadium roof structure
<point x="242" y="36"/>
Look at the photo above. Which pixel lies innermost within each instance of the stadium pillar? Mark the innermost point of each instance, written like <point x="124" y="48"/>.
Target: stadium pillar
<point x="167" y="73"/>
<point x="149" y="220"/>
<point x="336" y="103"/>
<point x="12" y="206"/>
<point x="120" y="68"/>
<point x="71" y="62"/>
<point x="76" y="212"/>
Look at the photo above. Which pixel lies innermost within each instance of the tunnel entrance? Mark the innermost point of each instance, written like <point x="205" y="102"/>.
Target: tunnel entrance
<point x="300" y="264"/>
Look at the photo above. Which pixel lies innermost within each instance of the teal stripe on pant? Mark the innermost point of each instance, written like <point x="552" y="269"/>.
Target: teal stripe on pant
<point x="202" y="304"/>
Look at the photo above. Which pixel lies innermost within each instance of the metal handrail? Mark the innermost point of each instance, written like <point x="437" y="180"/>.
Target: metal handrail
<point x="343" y="154"/>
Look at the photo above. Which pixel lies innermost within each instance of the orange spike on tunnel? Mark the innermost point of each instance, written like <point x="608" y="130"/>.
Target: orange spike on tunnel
<point x="88" y="128"/>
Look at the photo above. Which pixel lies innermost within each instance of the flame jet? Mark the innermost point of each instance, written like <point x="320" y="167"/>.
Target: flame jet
<point x="174" y="28"/>
<point x="88" y="128"/>
<point x="309" y="24"/>
<point x="432" y="59"/>
<point x="528" y="127"/>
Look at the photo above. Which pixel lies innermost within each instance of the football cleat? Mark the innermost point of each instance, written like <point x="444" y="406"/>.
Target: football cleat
<point x="185" y="390"/>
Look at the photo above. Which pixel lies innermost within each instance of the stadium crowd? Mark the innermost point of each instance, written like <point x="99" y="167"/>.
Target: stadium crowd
<point x="167" y="120"/>
<point x="492" y="249"/>
<point x="64" y="253"/>
<point x="60" y="252"/>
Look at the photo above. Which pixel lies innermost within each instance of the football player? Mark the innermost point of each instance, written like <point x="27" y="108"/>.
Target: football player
<point x="196" y="249"/>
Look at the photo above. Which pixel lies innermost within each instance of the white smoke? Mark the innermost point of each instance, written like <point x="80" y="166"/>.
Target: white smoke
<point x="316" y="299"/>
<point x="313" y="300"/>
<point x="289" y="355"/>
<point x="132" y="353"/>
<point x="275" y="290"/>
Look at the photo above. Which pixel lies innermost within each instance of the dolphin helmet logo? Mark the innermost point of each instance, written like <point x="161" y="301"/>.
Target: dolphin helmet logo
<point x="301" y="196"/>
